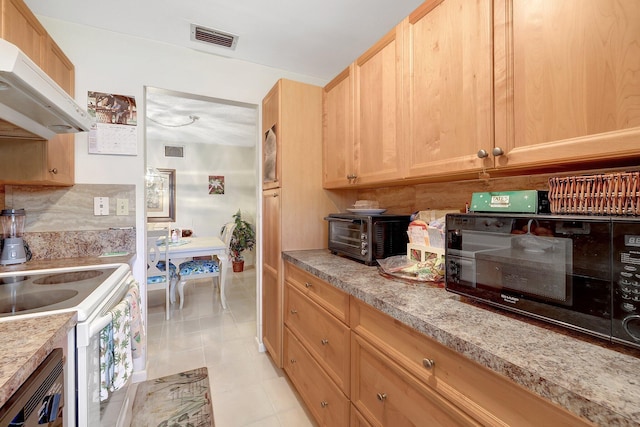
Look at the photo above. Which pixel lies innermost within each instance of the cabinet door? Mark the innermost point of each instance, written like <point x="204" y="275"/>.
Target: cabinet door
<point x="271" y="153"/>
<point x="324" y="336"/>
<point x="323" y="398"/>
<point x="271" y="268"/>
<point x="60" y="167"/>
<point x="337" y="131"/>
<point x="378" y="152"/>
<point x="388" y="396"/>
<point x="566" y="81"/>
<point x="448" y="86"/>
<point x="19" y="26"/>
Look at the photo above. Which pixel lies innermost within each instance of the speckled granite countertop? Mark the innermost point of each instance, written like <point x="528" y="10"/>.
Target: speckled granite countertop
<point x="591" y="378"/>
<point x="25" y="344"/>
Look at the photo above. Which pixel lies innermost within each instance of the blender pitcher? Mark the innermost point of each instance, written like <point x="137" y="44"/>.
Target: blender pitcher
<point x="13" y="247"/>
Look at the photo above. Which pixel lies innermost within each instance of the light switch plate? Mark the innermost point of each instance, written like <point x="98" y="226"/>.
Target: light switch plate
<point x="122" y="207"/>
<point x="101" y="206"/>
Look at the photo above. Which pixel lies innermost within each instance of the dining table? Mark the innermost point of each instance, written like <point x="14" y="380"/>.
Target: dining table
<point x="190" y="247"/>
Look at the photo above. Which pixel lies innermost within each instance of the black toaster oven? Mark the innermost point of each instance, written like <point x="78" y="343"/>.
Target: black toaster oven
<point x="367" y="238"/>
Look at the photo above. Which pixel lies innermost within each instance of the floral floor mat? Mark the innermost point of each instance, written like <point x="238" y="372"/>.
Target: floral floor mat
<point x="180" y="400"/>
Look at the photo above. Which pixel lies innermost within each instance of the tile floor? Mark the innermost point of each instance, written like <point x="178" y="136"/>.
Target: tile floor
<point x="247" y="388"/>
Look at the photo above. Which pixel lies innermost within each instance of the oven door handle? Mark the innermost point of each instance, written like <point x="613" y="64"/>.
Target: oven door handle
<point x="98" y="324"/>
<point x="340" y="219"/>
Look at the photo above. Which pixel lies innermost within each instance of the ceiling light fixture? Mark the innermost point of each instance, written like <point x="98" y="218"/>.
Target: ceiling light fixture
<point x="191" y="118"/>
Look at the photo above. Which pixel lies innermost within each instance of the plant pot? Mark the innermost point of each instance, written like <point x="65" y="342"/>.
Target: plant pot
<point x="238" y="266"/>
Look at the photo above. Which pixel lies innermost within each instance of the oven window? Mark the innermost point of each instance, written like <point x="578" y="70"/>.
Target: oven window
<point x="347" y="235"/>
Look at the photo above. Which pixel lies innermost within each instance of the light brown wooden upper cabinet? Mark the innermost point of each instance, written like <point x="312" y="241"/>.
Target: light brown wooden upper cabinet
<point x="363" y="118"/>
<point x="19" y="26"/>
<point x="448" y="72"/>
<point x="337" y="131"/>
<point x="566" y="81"/>
<point x="37" y="161"/>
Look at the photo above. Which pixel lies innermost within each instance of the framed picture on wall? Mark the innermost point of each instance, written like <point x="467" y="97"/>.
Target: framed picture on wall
<point x="161" y="196"/>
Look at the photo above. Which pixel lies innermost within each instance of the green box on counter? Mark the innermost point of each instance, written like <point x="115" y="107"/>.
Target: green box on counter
<point x="521" y="201"/>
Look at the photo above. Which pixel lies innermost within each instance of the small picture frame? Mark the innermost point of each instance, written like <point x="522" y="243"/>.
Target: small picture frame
<point x="161" y="197"/>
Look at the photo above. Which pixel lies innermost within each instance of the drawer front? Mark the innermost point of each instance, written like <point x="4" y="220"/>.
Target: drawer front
<point x="324" y="399"/>
<point x="389" y="396"/>
<point x="324" y="336"/>
<point x="487" y="396"/>
<point x="329" y="297"/>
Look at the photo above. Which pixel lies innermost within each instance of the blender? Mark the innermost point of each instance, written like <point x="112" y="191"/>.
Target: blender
<point x="13" y="247"/>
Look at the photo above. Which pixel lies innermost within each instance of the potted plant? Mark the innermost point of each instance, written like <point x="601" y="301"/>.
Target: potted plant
<point x="242" y="239"/>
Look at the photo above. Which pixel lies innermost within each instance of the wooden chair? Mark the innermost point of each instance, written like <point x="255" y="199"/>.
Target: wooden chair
<point x="158" y="276"/>
<point x="201" y="269"/>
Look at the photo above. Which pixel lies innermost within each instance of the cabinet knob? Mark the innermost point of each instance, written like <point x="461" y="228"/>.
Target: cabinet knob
<point x="293" y="361"/>
<point x="294" y="311"/>
<point x="324" y="341"/>
<point x="428" y="363"/>
<point x="54" y="171"/>
<point x="274" y="195"/>
<point x="324" y="403"/>
<point x="382" y="396"/>
<point x="351" y="178"/>
<point x="308" y="285"/>
<point x="497" y="151"/>
<point x="483" y="154"/>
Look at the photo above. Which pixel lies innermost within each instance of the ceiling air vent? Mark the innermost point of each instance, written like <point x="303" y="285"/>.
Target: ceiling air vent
<point x="173" y="151"/>
<point x="214" y="37"/>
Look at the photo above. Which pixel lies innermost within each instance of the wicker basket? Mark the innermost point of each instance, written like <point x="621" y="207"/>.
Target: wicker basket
<point x="607" y="194"/>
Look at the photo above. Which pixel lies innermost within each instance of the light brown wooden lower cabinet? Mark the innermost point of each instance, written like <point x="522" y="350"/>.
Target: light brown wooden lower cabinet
<point x="357" y="420"/>
<point x="328" y="405"/>
<point x="387" y="395"/>
<point x="485" y="396"/>
<point x="354" y="365"/>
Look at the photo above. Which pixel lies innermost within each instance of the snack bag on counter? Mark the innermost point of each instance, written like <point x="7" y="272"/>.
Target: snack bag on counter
<point x="427" y="228"/>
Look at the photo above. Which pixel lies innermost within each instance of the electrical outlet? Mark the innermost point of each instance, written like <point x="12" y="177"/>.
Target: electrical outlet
<point x="100" y="206"/>
<point x="122" y="207"/>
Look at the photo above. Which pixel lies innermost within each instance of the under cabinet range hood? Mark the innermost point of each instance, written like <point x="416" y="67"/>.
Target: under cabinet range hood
<point x="32" y="105"/>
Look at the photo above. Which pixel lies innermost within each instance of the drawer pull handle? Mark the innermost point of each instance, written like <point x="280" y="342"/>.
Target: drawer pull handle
<point x="294" y="311"/>
<point x="308" y="285"/>
<point x="382" y="397"/>
<point x="325" y="341"/>
<point x="324" y="403"/>
<point x="428" y="363"/>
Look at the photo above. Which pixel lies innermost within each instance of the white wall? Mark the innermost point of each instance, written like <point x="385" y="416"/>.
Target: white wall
<point x="115" y="63"/>
<point x="198" y="210"/>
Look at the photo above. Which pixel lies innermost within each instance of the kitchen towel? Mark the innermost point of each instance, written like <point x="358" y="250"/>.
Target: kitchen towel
<point x="138" y="335"/>
<point x="116" y="360"/>
<point x="106" y="360"/>
<point x="122" y="359"/>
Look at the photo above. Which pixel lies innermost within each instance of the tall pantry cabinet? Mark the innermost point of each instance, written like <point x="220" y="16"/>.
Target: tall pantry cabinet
<point x="294" y="204"/>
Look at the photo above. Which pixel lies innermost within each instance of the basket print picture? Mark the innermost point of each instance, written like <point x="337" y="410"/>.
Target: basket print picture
<point x="606" y="194"/>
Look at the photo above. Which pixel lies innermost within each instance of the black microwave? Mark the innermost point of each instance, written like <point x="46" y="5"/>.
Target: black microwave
<point x="580" y="272"/>
<point x="367" y="238"/>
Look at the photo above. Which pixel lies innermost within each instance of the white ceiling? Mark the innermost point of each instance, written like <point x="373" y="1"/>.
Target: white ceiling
<point x="219" y="122"/>
<point x="317" y="38"/>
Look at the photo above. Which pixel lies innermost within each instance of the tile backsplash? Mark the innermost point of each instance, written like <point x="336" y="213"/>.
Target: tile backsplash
<point x="60" y="222"/>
